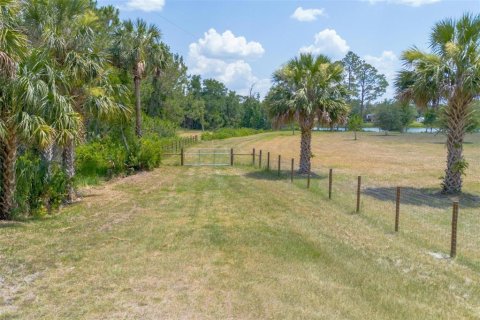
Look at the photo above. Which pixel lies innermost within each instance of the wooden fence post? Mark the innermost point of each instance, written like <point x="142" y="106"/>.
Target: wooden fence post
<point x="397" y="210"/>
<point x="268" y="161"/>
<point x="181" y="157"/>
<point x="260" y="159"/>
<point x="453" y="248"/>
<point x="253" y="157"/>
<point x="231" y="156"/>
<point x="358" y="192"/>
<point x="330" y="180"/>
<point x="279" y="164"/>
<point x="291" y="172"/>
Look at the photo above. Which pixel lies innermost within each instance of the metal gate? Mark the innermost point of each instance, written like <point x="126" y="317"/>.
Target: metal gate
<point x="207" y="157"/>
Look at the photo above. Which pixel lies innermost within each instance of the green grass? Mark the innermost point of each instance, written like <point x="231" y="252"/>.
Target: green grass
<point x="225" y="133"/>
<point x="196" y="242"/>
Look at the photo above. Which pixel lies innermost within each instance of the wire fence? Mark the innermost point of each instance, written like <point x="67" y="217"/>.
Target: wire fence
<point x="420" y="214"/>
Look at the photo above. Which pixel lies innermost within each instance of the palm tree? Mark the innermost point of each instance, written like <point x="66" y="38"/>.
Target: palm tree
<point x="13" y="46"/>
<point x="306" y="89"/>
<point x="450" y="73"/>
<point x="22" y="105"/>
<point x="136" y="48"/>
<point x="65" y="31"/>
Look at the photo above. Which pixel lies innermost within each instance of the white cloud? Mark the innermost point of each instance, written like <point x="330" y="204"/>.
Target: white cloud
<point x="145" y="5"/>
<point x="328" y="42"/>
<point x="306" y="15"/>
<point x="226" y="45"/>
<point x="412" y="3"/>
<point x="223" y="57"/>
<point x="388" y="64"/>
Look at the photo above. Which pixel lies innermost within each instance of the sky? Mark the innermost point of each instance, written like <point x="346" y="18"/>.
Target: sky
<point x="242" y="42"/>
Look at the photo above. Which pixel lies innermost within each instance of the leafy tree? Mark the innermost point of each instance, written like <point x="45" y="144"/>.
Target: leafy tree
<point x="407" y="114"/>
<point x="363" y="81"/>
<point x="452" y="72"/>
<point x="168" y="83"/>
<point x="232" y="111"/>
<point x="371" y="85"/>
<point x="430" y="118"/>
<point x="306" y="89"/>
<point x="355" y="123"/>
<point x="388" y="117"/>
<point x="214" y="94"/>
<point x="254" y="115"/>
<point x="136" y="49"/>
<point x="391" y="115"/>
<point x="351" y="65"/>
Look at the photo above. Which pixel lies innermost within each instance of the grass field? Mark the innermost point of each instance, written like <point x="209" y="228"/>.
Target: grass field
<point x="239" y="243"/>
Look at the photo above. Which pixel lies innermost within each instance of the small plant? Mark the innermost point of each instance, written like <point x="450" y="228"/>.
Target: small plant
<point x="355" y="124"/>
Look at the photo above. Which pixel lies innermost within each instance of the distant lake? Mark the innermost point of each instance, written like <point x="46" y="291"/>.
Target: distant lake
<point x="409" y="130"/>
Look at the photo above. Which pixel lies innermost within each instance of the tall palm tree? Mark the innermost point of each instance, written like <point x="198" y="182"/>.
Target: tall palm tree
<point x="136" y="48"/>
<point x="306" y="89"/>
<point x="22" y="105"/>
<point x="450" y="73"/>
<point x="65" y="31"/>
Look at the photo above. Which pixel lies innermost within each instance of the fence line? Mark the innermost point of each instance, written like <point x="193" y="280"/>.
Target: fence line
<point x="394" y="195"/>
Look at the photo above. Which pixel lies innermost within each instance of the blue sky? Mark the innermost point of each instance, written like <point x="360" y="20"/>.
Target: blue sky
<point x="242" y="42"/>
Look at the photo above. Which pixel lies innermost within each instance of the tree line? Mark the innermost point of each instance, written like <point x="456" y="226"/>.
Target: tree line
<point x="443" y="83"/>
<point x="83" y="91"/>
<point x="79" y="88"/>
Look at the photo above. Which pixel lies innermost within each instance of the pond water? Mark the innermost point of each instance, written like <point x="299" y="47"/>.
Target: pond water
<point x="374" y="129"/>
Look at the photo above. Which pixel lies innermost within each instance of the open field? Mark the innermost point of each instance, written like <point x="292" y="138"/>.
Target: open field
<point x="239" y="243"/>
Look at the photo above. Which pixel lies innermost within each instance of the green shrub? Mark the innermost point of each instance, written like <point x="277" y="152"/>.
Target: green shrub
<point x="158" y="127"/>
<point x="145" y="154"/>
<point x="225" y="133"/>
<point x="105" y="158"/>
<point x="38" y="192"/>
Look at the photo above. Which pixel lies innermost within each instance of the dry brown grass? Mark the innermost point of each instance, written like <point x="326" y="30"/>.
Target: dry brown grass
<point x="233" y="243"/>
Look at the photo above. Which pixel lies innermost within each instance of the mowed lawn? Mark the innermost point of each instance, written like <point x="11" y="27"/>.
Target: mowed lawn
<point x="238" y="243"/>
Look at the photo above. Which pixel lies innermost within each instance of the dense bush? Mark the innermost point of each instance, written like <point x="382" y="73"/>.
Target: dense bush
<point x="393" y="116"/>
<point x="107" y="157"/>
<point x="158" y="127"/>
<point x="225" y="133"/>
<point x="103" y="158"/>
<point x="38" y="189"/>
<point x="145" y="153"/>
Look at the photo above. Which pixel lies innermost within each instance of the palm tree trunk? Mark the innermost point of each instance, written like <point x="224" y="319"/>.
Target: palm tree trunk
<point x="47" y="158"/>
<point x="8" y="154"/>
<point x="69" y="167"/>
<point x="457" y="120"/>
<point x="138" y="107"/>
<point x="305" y="149"/>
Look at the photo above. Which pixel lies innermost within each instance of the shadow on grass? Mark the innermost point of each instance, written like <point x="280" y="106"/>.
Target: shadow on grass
<point x="11" y="224"/>
<point x="443" y="142"/>
<point x="423" y="197"/>
<point x="284" y="175"/>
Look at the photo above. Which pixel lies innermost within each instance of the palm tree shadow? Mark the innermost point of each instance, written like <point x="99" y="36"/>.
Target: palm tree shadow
<point x="284" y="175"/>
<point x="429" y="197"/>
